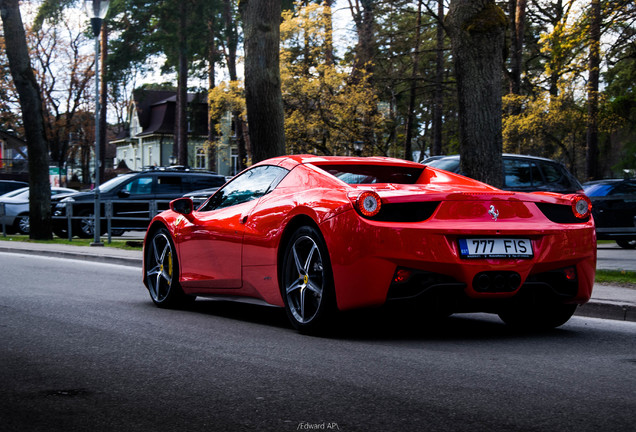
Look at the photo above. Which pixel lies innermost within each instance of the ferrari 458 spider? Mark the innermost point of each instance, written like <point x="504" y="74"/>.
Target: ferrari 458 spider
<point x="317" y="235"/>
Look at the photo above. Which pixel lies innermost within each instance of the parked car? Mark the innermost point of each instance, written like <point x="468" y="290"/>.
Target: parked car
<point x="15" y="215"/>
<point x="11" y="185"/>
<point x="522" y="173"/>
<point x="614" y="210"/>
<point x="132" y="196"/>
<point x="290" y="232"/>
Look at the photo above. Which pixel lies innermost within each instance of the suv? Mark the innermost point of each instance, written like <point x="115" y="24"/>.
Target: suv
<point x="614" y="210"/>
<point x="135" y="199"/>
<point x="523" y="173"/>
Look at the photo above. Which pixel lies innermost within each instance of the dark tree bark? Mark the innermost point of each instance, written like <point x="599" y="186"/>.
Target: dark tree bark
<point x="476" y="29"/>
<point x="261" y="21"/>
<point x="517" y="24"/>
<point x="211" y="84"/>
<point x="591" y="171"/>
<point x="362" y="13"/>
<point x="103" y="99"/>
<point x="410" y="117"/>
<point x="438" y="100"/>
<point x="232" y="43"/>
<point x="32" y="115"/>
<point x="181" y="142"/>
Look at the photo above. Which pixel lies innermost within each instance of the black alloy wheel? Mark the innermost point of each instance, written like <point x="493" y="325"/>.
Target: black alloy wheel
<point x="307" y="282"/>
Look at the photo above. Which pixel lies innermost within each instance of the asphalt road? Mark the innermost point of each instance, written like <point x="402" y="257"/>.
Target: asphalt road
<point x="82" y="348"/>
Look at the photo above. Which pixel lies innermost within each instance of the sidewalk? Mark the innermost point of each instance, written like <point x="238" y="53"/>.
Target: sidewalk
<point x="608" y="301"/>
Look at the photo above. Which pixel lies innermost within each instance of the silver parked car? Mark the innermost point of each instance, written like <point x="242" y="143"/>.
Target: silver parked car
<point x="14" y="208"/>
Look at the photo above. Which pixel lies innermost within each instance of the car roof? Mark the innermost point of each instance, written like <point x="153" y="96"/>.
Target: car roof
<point x="294" y="160"/>
<point x="509" y="155"/>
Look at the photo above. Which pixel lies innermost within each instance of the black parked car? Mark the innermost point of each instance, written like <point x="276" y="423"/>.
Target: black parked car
<point x="132" y="197"/>
<point x="523" y="173"/>
<point x="614" y="210"/>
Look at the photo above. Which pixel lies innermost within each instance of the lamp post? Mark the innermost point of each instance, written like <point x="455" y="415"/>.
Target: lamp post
<point x="96" y="10"/>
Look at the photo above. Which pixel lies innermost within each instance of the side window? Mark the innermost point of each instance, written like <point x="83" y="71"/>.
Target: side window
<point x="518" y="173"/>
<point x="555" y="175"/>
<point x="624" y="189"/>
<point x="205" y="182"/>
<point x="167" y="184"/>
<point x="139" y="186"/>
<point x="250" y="185"/>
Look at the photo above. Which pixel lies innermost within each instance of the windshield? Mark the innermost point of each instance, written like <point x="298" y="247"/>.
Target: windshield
<point x="446" y="164"/>
<point x="369" y="174"/>
<point x="596" y="190"/>
<point x="16" y="192"/>
<point x="113" y="183"/>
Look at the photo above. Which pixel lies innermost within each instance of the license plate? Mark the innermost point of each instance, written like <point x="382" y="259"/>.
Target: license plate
<point x="495" y="248"/>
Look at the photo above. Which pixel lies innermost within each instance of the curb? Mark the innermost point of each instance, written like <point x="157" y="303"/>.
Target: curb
<point x="613" y="311"/>
<point x="125" y="261"/>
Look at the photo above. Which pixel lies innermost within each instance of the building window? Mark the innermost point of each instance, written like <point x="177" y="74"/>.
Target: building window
<point x="200" y="158"/>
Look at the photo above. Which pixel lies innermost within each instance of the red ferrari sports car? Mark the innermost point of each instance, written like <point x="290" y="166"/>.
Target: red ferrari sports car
<point x="317" y="235"/>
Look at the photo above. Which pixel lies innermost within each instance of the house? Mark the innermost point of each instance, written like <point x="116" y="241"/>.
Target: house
<point x="149" y="139"/>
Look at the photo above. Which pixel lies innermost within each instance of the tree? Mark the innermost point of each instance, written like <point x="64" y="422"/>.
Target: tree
<point x="261" y="23"/>
<point x="476" y="29"/>
<point x="33" y="119"/>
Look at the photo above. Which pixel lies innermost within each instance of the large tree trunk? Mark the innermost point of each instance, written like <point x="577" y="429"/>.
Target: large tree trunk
<point x="103" y="98"/>
<point x="410" y="116"/>
<point x="182" y="90"/>
<point x="592" y="92"/>
<point x="476" y="29"/>
<point x="31" y="104"/>
<point x="261" y="21"/>
<point x="517" y="21"/>
<point x="232" y="43"/>
<point x="438" y="101"/>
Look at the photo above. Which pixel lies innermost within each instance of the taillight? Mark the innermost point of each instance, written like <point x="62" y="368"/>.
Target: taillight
<point x="581" y="206"/>
<point x="369" y="203"/>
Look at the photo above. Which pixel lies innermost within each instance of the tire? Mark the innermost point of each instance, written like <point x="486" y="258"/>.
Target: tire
<point x="626" y="244"/>
<point x="21" y="224"/>
<point x="85" y="225"/>
<point x="307" y="282"/>
<point x="539" y="316"/>
<point x="162" y="272"/>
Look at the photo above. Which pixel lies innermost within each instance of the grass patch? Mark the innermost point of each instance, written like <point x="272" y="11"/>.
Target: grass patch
<point x="620" y="277"/>
<point x="131" y="244"/>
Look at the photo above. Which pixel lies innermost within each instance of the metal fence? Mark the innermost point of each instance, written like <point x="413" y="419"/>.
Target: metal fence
<point x="154" y="207"/>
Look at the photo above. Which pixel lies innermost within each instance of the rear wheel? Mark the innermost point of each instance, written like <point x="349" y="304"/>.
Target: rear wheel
<point x="307" y="281"/>
<point x="538" y="316"/>
<point x="626" y="244"/>
<point x="85" y="225"/>
<point x="162" y="272"/>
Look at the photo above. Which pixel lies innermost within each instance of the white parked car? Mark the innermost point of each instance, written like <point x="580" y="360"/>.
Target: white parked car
<point x="14" y="208"/>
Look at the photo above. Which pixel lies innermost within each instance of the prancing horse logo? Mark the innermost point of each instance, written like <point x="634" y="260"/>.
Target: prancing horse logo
<point x="493" y="212"/>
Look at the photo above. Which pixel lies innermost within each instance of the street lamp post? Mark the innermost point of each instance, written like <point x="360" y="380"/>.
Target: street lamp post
<point x="96" y="10"/>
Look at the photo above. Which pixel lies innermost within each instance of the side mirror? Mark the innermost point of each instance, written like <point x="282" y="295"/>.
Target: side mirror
<point x="182" y="206"/>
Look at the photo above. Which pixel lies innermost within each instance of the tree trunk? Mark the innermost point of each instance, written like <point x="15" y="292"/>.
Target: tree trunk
<point x="410" y="116"/>
<point x="182" y="89"/>
<point x="31" y="105"/>
<point x="517" y="21"/>
<point x="211" y="84"/>
<point x="476" y="29"/>
<point x="103" y="97"/>
<point x="438" y="101"/>
<point x="261" y="21"/>
<point x="592" y="92"/>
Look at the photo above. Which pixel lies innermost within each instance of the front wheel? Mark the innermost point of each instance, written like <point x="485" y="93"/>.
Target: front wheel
<point x="162" y="272"/>
<point x="22" y="224"/>
<point x="538" y="316"/>
<point x="307" y="282"/>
